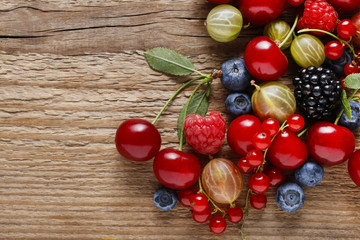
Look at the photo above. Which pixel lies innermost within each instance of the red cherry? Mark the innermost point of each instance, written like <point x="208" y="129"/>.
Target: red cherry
<point x="276" y="176"/>
<point x="264" y="59"/>
<point x="175" y="169"/>
<point x="295" y="122"/>
<point x="255" y="157"/>
<point x="260" y="12"/>
<point x="235" y="214"/>
<point x="137" y="139"/>
<point x="219" y="1"/>
<point x="258" y="201"/>
<point x="244" y="166"/>
<point x="271" y="125"/>
<point x="329" y="144"/>
<point x="334" y="50"/>
<point x="259" y="182"/>
<point x="287" y="151"/>
<point x="217" y="224"/>
<point x="351" y="68"/>
<point x="261" y="140"/>
<point x="346" y="29"/>
<point x="240" y="133"/>
<point x="202" y="217"/>
<point x="345" y="5"/>
<point x="199" y="202"/>
<point x="295" y="3"/>
<point x="185" y="195"/>
<point x="354" y="167"/>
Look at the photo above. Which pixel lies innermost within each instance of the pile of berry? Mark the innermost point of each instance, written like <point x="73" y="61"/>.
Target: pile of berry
<point x="275" y="129"/>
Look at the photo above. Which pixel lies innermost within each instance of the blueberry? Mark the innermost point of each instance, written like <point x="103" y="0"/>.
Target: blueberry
<point x="165" y="199"/>
<point x="310" y="174"/>
<point x="235" y="76"/>
<point x="238" y="104"/>
<point x="354" y="122"/>
<point x="290" y="197"/>
<point x="338" y="65"/>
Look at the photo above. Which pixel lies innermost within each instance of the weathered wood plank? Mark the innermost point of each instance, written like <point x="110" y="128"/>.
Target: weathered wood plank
<point x="70" y="73"/>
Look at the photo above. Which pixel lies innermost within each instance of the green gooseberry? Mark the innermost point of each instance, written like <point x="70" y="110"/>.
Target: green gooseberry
<point x="307" y="50"/>
<point x="224" y="23"/>
<point x="277" y="30"/>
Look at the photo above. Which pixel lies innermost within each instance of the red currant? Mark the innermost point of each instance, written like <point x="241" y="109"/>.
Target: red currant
<point x="357" y="57"/>
<point x="295" y="122"/>
<point x="276" y="176"/>
<point x="137" y="139"/>
<point x="185" y="195"/>
<point x="199" y="202"/>
<point x="258" y="201"/>
<point x="202" y="217"/>
<point x="271" y="125"/>
<point x="217" y="224"/>
<point x="295" y="3"/>
<point x="259" y="182"/>
<point x="351" y="68"/>
<point x="244" y="166"/>
<point x="342" y="83"/>
<point x="346" y="29"/>
<point x="255" y="157"/>
<point x="235" y="214"/>
<point x="334" y="50"/>
<point x="261" y="140"/>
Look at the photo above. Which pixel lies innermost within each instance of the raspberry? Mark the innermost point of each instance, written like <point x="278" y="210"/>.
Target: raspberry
<point x="318" y="14"/>
<point x="205" y="134"/>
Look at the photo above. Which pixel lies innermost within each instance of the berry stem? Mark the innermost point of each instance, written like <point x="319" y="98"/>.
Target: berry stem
<point x="290" y="32"/>
<point x="282" y="127"/>
<point x="302" y="132"/>
<point x="207" y="79"/>
<point x="174" y="95"/>
<point x="202" y="191"/>
<point x="246" y="213"/>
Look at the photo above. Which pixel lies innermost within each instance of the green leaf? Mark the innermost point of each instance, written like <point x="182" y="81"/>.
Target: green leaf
<point x="346" y="105"/>
<point x="199" y="104"/>
<point x="168" y="61"/>
<point x="352" y="81"/>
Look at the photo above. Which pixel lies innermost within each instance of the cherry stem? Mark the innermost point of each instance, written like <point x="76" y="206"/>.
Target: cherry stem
<point x="290" y="32"/>
<point x="202" y="191"/>
<point x="330" y="34"/>
<point x="302" y="132"/>
<point x="174" y="95"/>
<point x="208" y="79"/>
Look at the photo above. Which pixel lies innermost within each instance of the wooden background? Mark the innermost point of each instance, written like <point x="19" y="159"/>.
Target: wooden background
<point x="70" y="73"/>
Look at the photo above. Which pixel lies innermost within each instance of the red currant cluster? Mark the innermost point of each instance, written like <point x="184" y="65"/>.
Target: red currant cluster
<point x="346" y="30"/>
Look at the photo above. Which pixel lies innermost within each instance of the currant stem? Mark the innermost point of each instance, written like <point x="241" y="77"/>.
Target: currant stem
<point x="302" y="132"/>
<point x="174" y="95"/>
<point x="208" y="79"/>
<point x="202" y="191"/>
<point x="291" y="32"/>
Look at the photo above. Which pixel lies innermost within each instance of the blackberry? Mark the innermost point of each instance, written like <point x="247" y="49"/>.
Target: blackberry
<point x="317" y="91"/>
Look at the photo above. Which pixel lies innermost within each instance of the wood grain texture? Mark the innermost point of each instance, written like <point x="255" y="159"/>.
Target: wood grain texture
<point x="70" y="73"/>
